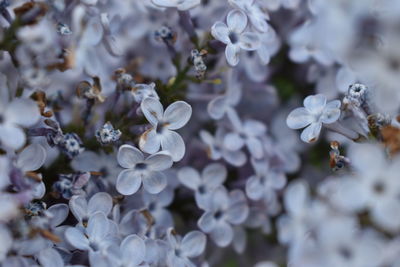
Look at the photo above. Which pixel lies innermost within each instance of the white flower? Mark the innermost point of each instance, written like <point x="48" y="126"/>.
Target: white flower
<point x="139" y="169"/>
<point x="179" y="4"/>
<point x="232" y="34"/>
<point x="223" y="211"/>
<point x="163" y="123"/>
<point x="212" y="176"/>
<point x="182" y="249"/>
<point x="315" y="112"/>
<point x="20" y="112"/>
<point x="130" y="253"/>
<point x="374" y="187"/>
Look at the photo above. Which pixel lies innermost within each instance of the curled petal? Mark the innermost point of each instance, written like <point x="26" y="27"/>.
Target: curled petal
<point x="220" y="32"/>
<point x="311" y="133"/>
<point x="152" y="110"/>
<point x="299" y="118"/>
<point x="232" y="54"/>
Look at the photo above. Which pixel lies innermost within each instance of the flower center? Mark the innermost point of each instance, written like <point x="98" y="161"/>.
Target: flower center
<point x="141" y="166"/>
<point x="233" y="37"/>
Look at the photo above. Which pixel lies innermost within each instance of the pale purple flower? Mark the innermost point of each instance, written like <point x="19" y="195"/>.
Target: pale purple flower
<point x="139" y="169"/>
<point x="253" y="11"/>
<point x="224" y="210"/>
<point x="130" y="253"/>
<point x="204" y="184"/>
<point x="181" y="250"/>
<point x="157" y="205"/>
<point x="164" y="124"/>
<point x="234" y="36"/>
<point x="315" y="112"/>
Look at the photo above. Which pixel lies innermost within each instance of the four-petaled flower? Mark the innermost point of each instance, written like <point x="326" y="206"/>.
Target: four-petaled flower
<point x="139" y="169"/>
<point x="232" y="34"/>
<point x="315" y="112"/>
<point x="163" y="123"/>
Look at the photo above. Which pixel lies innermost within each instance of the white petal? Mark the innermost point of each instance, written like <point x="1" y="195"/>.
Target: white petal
<point x="299" y="118"/>
<point x="193" y="244"/>
<point x="254" y="189"/>
<point x="214" y="175"/>
<point x="177" y="115"/>
<point x="249" y="41"/>
<point x="311" y="133"/>
<point x="255" y="147"/>
<point x="254" y="128"/>
<point x="128" y="182"/>
<point x="76" y="238"/>
<point x="315" y="103"/>
<point x="50" y="258"/>
<point x="159" y="161"/>
<point x="128" y="156"/>
<point x="189" y="177"/>
<point x="59" y="212"/>
<point x="232" y="54"/>
<point x="299" y="54"/>
<point x="31" y="158"/>
<point x="296" y="197"/>
<point x="239" y="239"/>
<point x="12" y="136"/>
<point x="331" y="112"/>
<point x="188" y="4"/>
<point x="259" y="23"/>
<point x="173" y="143"/>
<point x="78" y="206"/>
<point x="164" y="3"/>
<point x="236" y="158"/>
<point x="24" y="112"/>
<point x="220" y="199"/>
<point x="222" y="234"/>
<point x="207" y="222"/>
<point x="152" y="110"/>
<point x="98" y="227"/>
<point x="220" y="32"/>
<point x="149" y="141"/>
<point x="236" y="20"/>
<point x="133" y="250"/>
<point x="155" y="182"/>
<point x="100" y="202"/>
<point x="217" y="107"/>
<point x="233" y="141"/>
<point x="112" y="45"/>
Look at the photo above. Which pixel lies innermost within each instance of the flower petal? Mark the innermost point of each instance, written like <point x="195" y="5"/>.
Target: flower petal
<point x="217" y="107"/>
<point x="128" y="182"/>
<point x="78" y="206"/>
<point x="155" y="182"/>
<point x="249" y="41"/>
<point x="152" y="110"/>
<point x="24" y="112"/>
<point x="59" y="212"/>
<point x="315" y="103"/>
<point x="254" y="188"/>
<point x="232" y="54"/>
<point x="100" y="202"/>
<point x="31" y="158"/>
<point x="331" y="112"/>
<point x="233" y="141"/>
<point x="299" y="118"/>
<point x="159" y="161"/>
<point x="236" y="21"/>
<point x="12" y="136"/>
<point x="133" y="250"/>
<point x="189" y="177"/>
<point x="311" y="133"/>
<point x="214" y="175"/>
<point x="220" y="32"/>
<point x="255" y="147"/>
<point x="76" y="238"/>
<point x="173" y="143"/>
<point x="207" y="222"/>
<point x="193" y="244"/>
<point x="222" y="234"/>
<point x="177" y="115"/>
<point x="97" y="227"/>
<point x="128" y="156"/>
<point x="149" y="141"/>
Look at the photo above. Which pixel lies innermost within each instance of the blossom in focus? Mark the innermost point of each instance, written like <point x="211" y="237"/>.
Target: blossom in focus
<point x="234" y="36"/>
<point x="139" y="169"/>
<point x="163" y="125"/>
<point x="316" y="111"/>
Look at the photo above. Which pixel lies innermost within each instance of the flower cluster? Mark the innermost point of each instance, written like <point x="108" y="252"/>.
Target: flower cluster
<point x="182" y="133"/>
